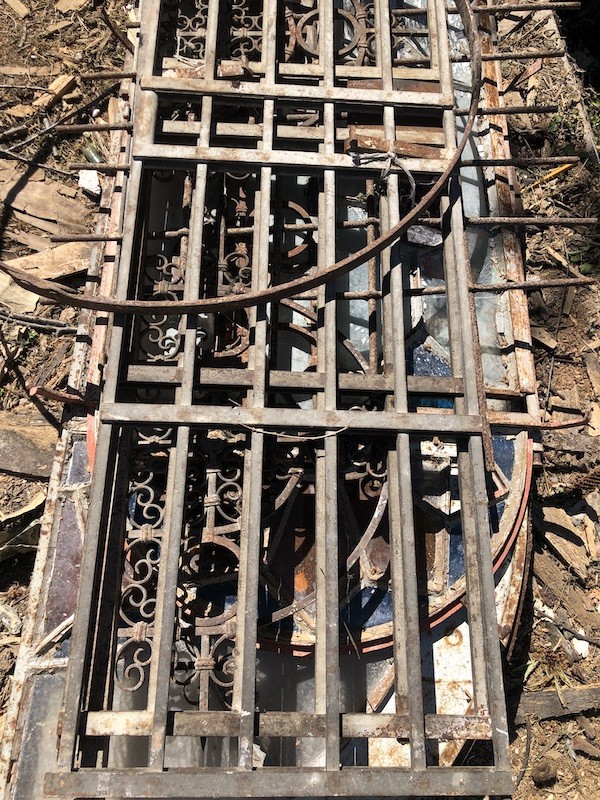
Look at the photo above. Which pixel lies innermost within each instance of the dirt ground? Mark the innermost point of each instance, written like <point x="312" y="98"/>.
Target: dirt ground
<point x="557" y="651"/>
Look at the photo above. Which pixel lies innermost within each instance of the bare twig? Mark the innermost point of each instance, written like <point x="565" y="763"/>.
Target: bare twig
<point x="527" y="754"/>
<point x="19" y="86"/>
<point x="81" y="110"/>
<point x="37" y="323"/>
<point x="15" y="157"/>
<point x="568" y="629"/>
<point x="18" y="129"/>
<point x="115" y="30"/>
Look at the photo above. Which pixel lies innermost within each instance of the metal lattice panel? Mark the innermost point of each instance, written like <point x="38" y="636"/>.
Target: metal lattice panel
<point x="278" y="488"/>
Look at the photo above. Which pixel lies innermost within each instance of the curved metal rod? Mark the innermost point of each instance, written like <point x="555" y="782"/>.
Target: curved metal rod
<point x="62" y="296"/>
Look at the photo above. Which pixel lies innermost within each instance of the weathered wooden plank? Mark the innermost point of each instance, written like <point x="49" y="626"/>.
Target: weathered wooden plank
<point x="592" y="364"/>
<point x="565" y="539"/>
<point x="571" y="596"/>
<point x="546" y="703"/>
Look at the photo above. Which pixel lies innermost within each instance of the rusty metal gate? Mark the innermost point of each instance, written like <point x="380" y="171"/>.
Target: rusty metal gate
<point x="267" y="424"/>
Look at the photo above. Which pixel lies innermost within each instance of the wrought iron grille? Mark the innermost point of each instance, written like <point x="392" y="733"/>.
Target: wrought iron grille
<point x="279" y="488"/>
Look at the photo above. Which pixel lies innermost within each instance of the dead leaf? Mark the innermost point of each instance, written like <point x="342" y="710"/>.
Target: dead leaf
<point x="558" y="257"/>
<point x="41" y="224"/>
<point x="9" y="619"/>
<point x="592" y="365"/>
<point x="32" y="505"/>
<point x="30" y="240"/>
<point x="544" y="338"/>
<point x="581" y="745"/>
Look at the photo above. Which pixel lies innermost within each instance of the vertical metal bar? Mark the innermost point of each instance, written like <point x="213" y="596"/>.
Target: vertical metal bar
<point x="194" y="265"/>
<point x="327" y="663"/>
<point x="435" y="57"/>
<point x="245" y="648"/>
<point x="405" y="596"/>
<point x="438" y="42"/>
<point x="463" y="363"/>
<point x="327" y="636"/>
<point x="160" y="674"/>
<point x="131" y="214"/>
<point x="166" y="596"/>
<point x="149" y="27"/>
<point x="194" y="256"/>
<point x="463" y="366"/>
<point x="384" y="44"/>
<point x="478" y="558"/>
<point x="82" y="621"/>
<point x="85" y="602"/>
<point x="194" y="270"/>
<point x="507" y="204"/>
<point x="372" y="303"/>
<point x="488" y="693"/>
<point x="244" y="692"/>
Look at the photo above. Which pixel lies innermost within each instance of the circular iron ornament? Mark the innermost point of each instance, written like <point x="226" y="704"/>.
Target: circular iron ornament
<point x="300" y="36"/>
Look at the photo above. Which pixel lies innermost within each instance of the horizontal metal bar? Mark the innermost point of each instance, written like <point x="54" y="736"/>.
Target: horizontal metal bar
<point x="167" y="154"/>
<point x="280" y="418"/>
<point x="532" y="286"/>
<point x="360" y="726"/>
<point x="501" y="8"/>
<point x="285" y="91"/>
<point x="512" y="420"/>
<point x="278" y="782"/>
<point x="411" y="12"/>
<point x="563" y="222"/>
<point x="101" y="126"/>
<point x="485" y="111"/>
<point x="87" y="237"/>
<point x="447" y="727"/>
<point x="498" y="288"/>
<point x="85" y="165"/>
<point x="117" y="723"/>
<point x="106" y="75"/>
<point x="209" y="723"/>
<point x="227" y="723"/>
<point x="522" y="163"/>
<point x="512" y="55"/>
<point x="282" y="379"/>
<point x="444" y="727"/>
